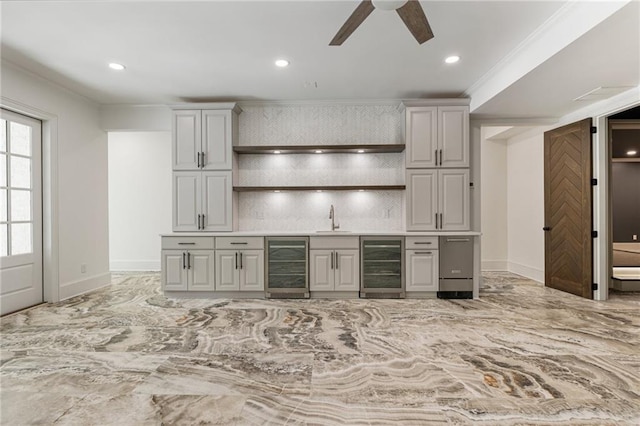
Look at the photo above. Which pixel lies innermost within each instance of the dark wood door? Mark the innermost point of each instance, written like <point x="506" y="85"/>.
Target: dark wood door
<point x="568" y="209"/>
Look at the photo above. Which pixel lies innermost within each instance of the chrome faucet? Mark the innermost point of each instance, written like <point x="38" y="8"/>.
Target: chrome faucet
<point x="332" y="216"/>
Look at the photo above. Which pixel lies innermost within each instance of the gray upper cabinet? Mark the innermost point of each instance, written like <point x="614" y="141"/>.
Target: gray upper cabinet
<point x="437" y="136"/>
<point x="203" y="138"/>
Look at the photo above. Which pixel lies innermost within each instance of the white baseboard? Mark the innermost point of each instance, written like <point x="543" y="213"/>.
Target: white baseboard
<point x="86" y="285"/>
<point x="134" y="265"/>
<point x="526" y="271"/>
<point x="494" y="265"/>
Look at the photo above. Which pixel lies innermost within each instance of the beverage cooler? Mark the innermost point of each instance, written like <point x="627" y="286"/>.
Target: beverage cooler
<point x="382" y="267"/>
<point x="287" y="267"/>
<point x="456" y="268"/>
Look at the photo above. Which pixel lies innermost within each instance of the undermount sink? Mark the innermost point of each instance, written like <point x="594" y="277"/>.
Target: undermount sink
<point x="333" y="232"/>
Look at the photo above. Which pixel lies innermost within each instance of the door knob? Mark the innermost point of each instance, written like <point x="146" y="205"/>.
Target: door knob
<point x="546" y="228"/>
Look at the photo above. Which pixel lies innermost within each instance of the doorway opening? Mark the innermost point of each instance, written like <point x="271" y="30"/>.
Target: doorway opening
<point x="624" y="202"/>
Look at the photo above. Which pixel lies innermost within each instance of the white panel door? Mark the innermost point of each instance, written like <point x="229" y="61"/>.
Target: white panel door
<point x="252" y="270"/>
<point x="453" y="136"/>
<point x="20" y="212"/>
<point x="421" y="136"/>
<point x="422" y="270"/>
<point x="201" y="270"/>
<point x="422" y="199"/>
<point x="321" y="269"/>
<point x="216" y="140"/>
<point x="347" y="270"/>
<point x="186" y="200"/>
<point x="174" y="270"/>
<point x="187" y="139"/>
<point x="454" y="199"/>
<point x="226" y="270"/>
<point x="216" y="201"/>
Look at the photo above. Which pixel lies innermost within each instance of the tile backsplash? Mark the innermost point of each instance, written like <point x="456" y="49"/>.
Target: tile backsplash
<point x="309" y="210"/>
<point x="302" y="124"/>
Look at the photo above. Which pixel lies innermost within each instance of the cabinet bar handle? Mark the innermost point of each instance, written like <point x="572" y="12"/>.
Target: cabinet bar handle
<point x="423" y="252"/>
<point x="239" y="243"/>
<point x="441" y="226"/>
<point x="186" y="244"/>
<point x="240" y="260"/>
<point x="458" y="240"/>
<point x="202" y="223"/>
<point x="441" y="161"/>
<point x="236" y="260"/>
<point x="184" y="260"/>
<point x="202" y="160"/>
<point x="198" y="159"/>
<point x="336" y="260"/>
<point x="188" y="260"/>
<point x="331" y="260"/>
<point x="422" y="242"/>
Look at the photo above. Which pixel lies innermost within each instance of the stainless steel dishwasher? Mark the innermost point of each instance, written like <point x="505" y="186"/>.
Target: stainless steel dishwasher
<point x="456" y="268"/>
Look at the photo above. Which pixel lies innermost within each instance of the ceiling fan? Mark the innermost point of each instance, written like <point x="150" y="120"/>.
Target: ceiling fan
<point x="409" y="10"/>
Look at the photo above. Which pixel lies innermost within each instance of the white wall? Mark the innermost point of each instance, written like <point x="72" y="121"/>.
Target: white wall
<point x="494" y="203"/>
<point x="525" y="207"/>
<point x="82" y="178"/>
<point x="139" y="198"/>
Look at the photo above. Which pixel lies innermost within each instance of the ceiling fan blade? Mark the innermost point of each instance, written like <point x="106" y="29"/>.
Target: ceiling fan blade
<point x="415" y="19"/>
<point x="357" y="17"/>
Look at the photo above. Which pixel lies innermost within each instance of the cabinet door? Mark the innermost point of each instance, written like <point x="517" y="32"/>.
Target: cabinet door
<point x="421" y="136"/>
<point x="216" y="139"/>
<point x="201" y="267"/>
<point x="453" y="136"/>
<point x="422" y="199"/>
<point x="217" y="193"/>
<point x="174" y="272"/>
<point x="227" y="272"/>
<point x="347" y="271"/>
<point x="186" y="139"/>
<point x="422" y="270"/>
<point x="186" y="200"/>
<point x="453" y="199"/>
<point x="252" y="270"/>
<point x="322" y="270"/>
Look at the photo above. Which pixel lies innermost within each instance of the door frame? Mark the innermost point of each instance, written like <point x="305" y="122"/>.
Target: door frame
<point x="50" y="237"/>
<point x="602" y="218"/>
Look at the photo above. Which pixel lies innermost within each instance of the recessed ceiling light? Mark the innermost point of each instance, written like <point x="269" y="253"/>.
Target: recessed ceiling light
<point x="632" y="152"/>
<point x="282" y="63"/>
<point x="452" y="59"/>
<point x="318" y="151"/>
<point x="116" y="66"/>
<point x="276" y="152"/>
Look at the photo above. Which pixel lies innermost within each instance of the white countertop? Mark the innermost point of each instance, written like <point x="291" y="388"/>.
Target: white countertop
<point x="319" y="234"/>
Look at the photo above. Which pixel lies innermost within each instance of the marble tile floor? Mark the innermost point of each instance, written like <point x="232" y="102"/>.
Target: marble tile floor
<point x="127" y="355"/>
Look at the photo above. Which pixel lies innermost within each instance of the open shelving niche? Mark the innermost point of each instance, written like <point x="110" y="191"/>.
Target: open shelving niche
<point x="319" y="149"/>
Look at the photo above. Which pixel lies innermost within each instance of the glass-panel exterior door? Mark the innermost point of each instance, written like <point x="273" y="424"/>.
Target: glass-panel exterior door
<point x="20" y="212"/>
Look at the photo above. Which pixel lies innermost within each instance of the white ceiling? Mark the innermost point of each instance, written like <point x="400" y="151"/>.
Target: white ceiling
<point x="224" y="50"/>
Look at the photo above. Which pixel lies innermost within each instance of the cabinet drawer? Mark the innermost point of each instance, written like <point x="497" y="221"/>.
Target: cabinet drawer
<point x="193" y="243"/>
<point x="421" y="243"/>
<point x="239" y="243"/>
<point x="334" y="243"/>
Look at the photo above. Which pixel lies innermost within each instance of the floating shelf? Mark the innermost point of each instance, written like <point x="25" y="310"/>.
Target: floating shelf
<point x="319" y="188"/>
<point x="326" y="149"/>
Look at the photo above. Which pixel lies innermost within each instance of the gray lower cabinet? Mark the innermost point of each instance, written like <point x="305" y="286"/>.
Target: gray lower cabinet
<point x="422" y="264"/>
<point x="287" y="267"/>
<point x="334" y="264"/>
<point x="239" y="264"/>
<point x="187" y="270"/>
<point x="187" y="263"/>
